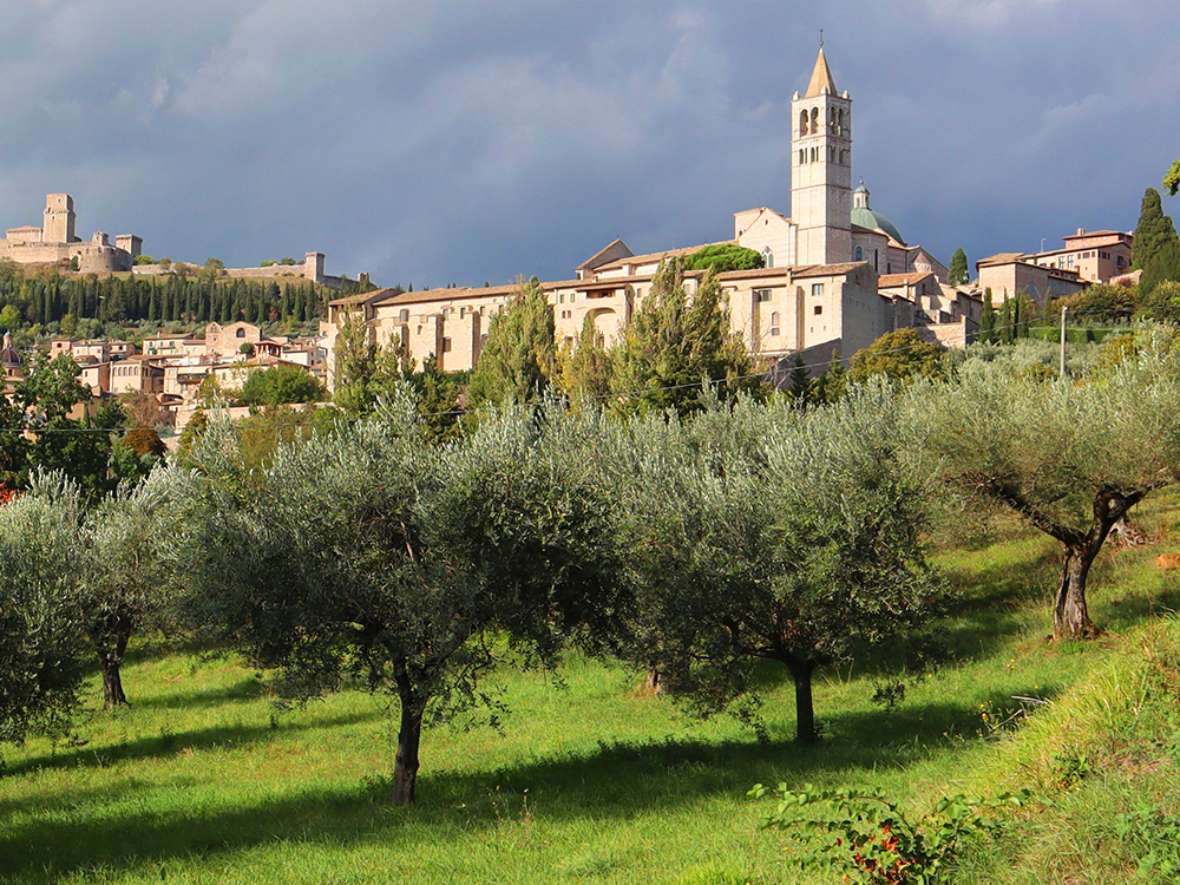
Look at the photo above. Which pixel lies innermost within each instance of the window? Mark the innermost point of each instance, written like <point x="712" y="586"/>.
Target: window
<point x="815" y="119"/>
<point x="858" y="254"/>
<point x="462" y="312"/>
<point x="819" y="308"/>
<point x="403" y="315"/>
<point x="802" y="156"/>
<point x="446" y="345"/>
<point x="802" y="128"/>
<point x="241" y="333"/>
<point x="761" y="295"/>
<point x="774" y="327"/>
<point x="817" y="290"/>
<point x="768" y="257"/>
<point x="561" y="298"/>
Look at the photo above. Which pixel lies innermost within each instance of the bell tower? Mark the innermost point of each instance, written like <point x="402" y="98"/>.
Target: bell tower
<point x="821" y="168"/>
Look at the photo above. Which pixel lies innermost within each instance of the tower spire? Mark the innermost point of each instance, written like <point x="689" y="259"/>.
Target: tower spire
<point x="821" y="75"/>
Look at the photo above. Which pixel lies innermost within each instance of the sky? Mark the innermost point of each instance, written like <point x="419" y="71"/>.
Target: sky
<point x="469" y="141"/>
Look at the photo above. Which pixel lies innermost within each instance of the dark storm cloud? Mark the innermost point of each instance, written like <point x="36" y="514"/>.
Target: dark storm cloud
<point x="467" y="141"/>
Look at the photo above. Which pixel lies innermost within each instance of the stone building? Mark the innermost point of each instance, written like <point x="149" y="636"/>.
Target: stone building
<point x="818" y="287"/>
<point x="56" y="244"/>
<point x="1008" y="274"/>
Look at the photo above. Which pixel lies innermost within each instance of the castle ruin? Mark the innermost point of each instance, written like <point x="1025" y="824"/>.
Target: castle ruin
<point x="56" y="243"/>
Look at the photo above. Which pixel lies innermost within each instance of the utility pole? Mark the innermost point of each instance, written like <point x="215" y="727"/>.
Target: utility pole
<point x="1064" y="311"/>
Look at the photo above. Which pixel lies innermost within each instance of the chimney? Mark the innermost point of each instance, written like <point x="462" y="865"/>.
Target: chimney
<point x="1081" y="230"/>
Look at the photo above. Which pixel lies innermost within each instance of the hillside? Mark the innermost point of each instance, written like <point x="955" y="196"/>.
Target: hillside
<point x="590" y="780"/>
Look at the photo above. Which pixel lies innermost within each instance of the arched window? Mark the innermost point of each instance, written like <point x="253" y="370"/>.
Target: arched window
<point x="815" y="119"/>
<point x="241" y="333"/>
<point x="802" y="156"/>
<point x="803" y="122"/>
<point x="768" y="257"/>
<point x="858" y="254"/>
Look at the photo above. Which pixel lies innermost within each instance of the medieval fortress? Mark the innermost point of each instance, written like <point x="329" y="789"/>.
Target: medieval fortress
<point x="56" y="244"/>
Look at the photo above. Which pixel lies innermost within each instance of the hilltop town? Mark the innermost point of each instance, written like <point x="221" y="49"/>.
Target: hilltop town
<point x="819" y="285"/>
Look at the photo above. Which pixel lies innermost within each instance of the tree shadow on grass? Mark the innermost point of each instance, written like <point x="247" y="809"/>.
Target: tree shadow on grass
<point x="169" y="743"/>
<point x="246" y="689"/>
<point x="617" y="781"/>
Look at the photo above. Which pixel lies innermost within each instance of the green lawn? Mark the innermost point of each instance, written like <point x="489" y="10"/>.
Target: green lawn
<point x="200" y="780"/>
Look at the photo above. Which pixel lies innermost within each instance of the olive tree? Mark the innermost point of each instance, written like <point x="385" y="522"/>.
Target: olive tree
<point x="1072" y="460"/>
<point x="129" y="538"/>
<point x="767" y="534"/>
<point x="368" y="556"/>
<point x="43" y="652"/>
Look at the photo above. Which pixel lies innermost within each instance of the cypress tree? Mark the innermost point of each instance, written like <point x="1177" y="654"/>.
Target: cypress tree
<point x="1162" y="266"/>
<point x="1153" y="232"/>
<point x="1005" y="326"/>
<point x="959" y="274"/>
<point x="987" y="321"/>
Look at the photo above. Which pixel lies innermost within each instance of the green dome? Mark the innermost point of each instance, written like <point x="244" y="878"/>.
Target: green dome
<point x="875" y="221"/>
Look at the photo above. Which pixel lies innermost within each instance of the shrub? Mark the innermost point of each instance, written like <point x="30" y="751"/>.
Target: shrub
<point x="723" y="257"/>
<point x="866" y="836"/>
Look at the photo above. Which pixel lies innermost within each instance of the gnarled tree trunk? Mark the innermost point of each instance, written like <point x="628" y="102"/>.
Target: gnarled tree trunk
<point x="804" y="706"/>
<point x="110" y="661"/>
<point x="1071" y="618"/>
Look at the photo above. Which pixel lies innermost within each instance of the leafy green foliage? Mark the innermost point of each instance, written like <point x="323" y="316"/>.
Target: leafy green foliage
<point x="280" y="385"/>
<point x="1153" y="232"/>
<point x="900" y="356"/>
<point x="586" y="368"/>
<point x="722" y="257"/>
<point x="43" y="657"/>
<point x="1153" y="837"/>
<point x="1070" y="460"/>
<point x="987" y="320"/>
<point x="1172" y="178"/>
<point x="518" y="361"/>
<point x="1099" y="303"/>
<point x="675" y="346"/>
<point x="959" y="272"/>
<point x="1162" y="303"/>
<point x="741" y="522"/>
<point x="867" y="837"/>
<point x="368" y="555"/>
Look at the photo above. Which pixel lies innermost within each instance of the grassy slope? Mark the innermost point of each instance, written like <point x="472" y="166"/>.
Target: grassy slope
<point x="199" y="782"/>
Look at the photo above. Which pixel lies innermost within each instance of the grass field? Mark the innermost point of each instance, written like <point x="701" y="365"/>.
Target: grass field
<point x="201" y="780"/>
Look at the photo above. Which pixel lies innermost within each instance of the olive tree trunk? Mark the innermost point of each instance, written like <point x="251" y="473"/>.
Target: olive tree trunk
<point x="1071" y="617"/>
<point x="801" y="672"/>
<point x="110" y="662"/>
<point x="405" y="765"/>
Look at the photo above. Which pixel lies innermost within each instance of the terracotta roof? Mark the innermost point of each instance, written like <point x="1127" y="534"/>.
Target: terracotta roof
<point x="1000" y="258"/>
<point x="826" y="270"/>
<point x="360" y="298"/>
<point x="589" y="262"/>
<point x="754" y="273"/>
<point x="887" y="280"/>
<point x="649" y="257"/>
<point x="457" y="294"/>
<point x="1097" y="233"/>
<point x="821" y="78"/>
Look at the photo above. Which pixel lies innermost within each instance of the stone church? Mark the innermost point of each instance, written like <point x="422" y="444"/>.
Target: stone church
<point x="836" y="274"/>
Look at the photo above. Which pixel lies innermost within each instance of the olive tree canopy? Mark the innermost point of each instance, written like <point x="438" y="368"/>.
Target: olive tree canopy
<point x="1070" y="459"/>
<point x="768" y="534"/>
<point x="369" y="556"/>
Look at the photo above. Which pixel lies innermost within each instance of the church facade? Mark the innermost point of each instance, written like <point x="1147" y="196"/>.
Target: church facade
<point x="818" y="293"/>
